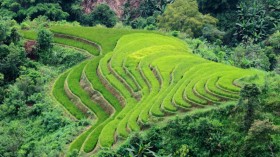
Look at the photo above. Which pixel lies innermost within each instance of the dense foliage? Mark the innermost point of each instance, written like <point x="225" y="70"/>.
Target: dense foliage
<point x="184" y="16"/>
<point x="102" y="14"/>
<point x="30" y="124"/>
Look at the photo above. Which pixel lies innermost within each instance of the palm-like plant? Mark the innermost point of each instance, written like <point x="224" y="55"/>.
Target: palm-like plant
<point x="255" y="21"/>
<point x="142" y="150"/>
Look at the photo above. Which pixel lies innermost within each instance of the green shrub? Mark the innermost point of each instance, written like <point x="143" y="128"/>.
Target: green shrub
<point x="274" y="42"/>
<point x="24" y="26"/>
<point x="102" y="14"/>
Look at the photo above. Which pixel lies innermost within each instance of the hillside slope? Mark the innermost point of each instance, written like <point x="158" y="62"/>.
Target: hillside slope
<point x="137" y="78"/>
<point x="116" y="5"/>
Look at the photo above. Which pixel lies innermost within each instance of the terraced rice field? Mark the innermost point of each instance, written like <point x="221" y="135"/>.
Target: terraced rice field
<point x="134" y="77"/>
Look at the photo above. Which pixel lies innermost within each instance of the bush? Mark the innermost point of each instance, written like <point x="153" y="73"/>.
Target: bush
<point x="151" y="20"/>
<point x="256" y="20"/>
<point x="175" y="33"/>
<point x="271" y="93"/>
<point x="212" y="34"/>
<point x="53" y="121"/>
<point x="205" y="50"/>
<point x="150" y="27"/>
<point x="24" y="26"/>
<point x="119" y="25"/>
<point x="102" y="14"/>
<point x="65" y="56"/>
<point x="138" y="23"/>
<point x="274" y="42"/>
<point x="252" y="55"/>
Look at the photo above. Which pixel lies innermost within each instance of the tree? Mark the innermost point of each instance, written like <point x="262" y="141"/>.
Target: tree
<point x="252" y="55"/>
<point x="52" y="10"/>
<point x="183" y="15"/>
<point x="271" y="93"/>
<point x="15" y="36"/>
<point x="252" y="22"/>
<point x="102" y="14"/>
<point x="4" y="31"/>
<point x="149" y="7"/>
<point x="256" y="19"/>
<point x="11" y="58"/>
<point x="45" y="40"/>
<point x="1" y="79"/>
<point x="44" y="44"/>
<point x="12" y="137"/>
<point x="216" y="6"/>
<point x="272" y="58"/>
<point x="2" y="93"/>
<point x="207" y="134"/>
<point x="274" y="42"/>
<point x="258" y="142"/>
<point x="249" y="94"/>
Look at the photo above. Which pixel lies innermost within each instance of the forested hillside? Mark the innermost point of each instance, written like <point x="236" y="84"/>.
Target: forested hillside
<point x="140" y="78"/>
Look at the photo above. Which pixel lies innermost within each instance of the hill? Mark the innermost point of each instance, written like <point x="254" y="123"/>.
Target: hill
<point x="133" y="79"/>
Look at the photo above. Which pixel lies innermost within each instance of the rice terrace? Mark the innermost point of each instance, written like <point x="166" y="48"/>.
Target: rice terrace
<point x="139" y="78"/>
<point x="134" y="79"/>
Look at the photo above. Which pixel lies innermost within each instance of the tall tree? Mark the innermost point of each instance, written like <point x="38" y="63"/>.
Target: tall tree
<point x="183" y="15"/>
<point x="4" y="31"/>
<point x="11" y="58"/>
<point x="15" y="36"/>
<point x="259" y="141"/>
<point x="249" y="95"/>
<point x="102" y="14"/>
<point x="44" y="44"/>
<point x="45" y="39"/>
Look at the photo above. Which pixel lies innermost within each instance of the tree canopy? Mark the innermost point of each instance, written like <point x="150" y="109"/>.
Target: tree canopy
<point x="183" y="15"/>
<point x="102" y="14"/>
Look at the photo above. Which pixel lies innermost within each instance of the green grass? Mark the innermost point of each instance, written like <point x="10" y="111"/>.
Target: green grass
<point x="61" y="97"/>
<point x="90" y="71"/>
<point x="211" y="85"/>
<point x="89" y="48"/>
<point x="92" y="140"/>
<point x="70" y="42"/>
<point x="120" y="87"/>
<point x="106" y="138"/>
<point x="74" y="85"/>
<point x="111" y="78"/>
<point x="200" y="88"/>
<point x="107" y="38"/>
